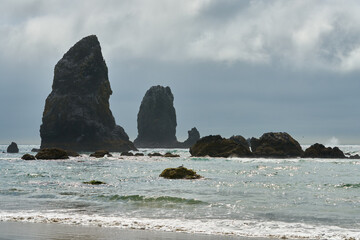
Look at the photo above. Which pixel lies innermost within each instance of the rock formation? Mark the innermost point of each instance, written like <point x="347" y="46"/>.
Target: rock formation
<point x="216" y="146"/>
<point x="52" y="154"/>
<point x="278" y="144"/>
<point x="156" y="121"/>
<point x="12" y="148"/>
<point x="179" y="173"/>
<point x="77" y="114"/>
<point x="241" y="140"/>
<point x="28" y="157"/>
<point x="320" y="151"/>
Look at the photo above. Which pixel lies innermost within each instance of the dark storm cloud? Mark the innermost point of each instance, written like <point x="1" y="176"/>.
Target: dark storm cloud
<point x="235" y="67"/>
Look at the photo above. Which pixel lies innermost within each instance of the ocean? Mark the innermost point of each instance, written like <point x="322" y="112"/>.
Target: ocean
<point x="245" y="197"/>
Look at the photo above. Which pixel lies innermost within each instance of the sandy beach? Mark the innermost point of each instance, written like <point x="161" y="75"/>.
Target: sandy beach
<point x="39" y="231"/>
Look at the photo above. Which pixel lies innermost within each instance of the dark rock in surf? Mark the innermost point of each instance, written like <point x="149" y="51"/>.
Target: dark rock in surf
<point x="52" y="154"/>
<point x="356" y="156"/>
<point x="240" y="140"/>
<point x="276" y="144"/>
<point x="179" y="173"/>
<point x="77" y="114"/>
<point x="216" y="146"/>
<point x="100" y="154"/>
<point x="171" y="155"/>
<point x="28" y="157"/>
<point x="12" y="148"/>
<point x="155" y="154"/>
<point x="129" y="154"/>
<point x="320" y="151"/>
<point x="193" y="137"/>
<point x="35" y="150"/>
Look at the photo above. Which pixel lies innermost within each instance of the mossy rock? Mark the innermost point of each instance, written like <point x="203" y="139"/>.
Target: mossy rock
<point x="52" y="154"/>
<point x="179" y="173"/>
<point x="28" y="157"/>
<point x="156" y="154"/>
<point x="100" y="154"/>
<point x="127" y="154"/>
<point x="170" y="155"/>
<point x="94" y="182"/>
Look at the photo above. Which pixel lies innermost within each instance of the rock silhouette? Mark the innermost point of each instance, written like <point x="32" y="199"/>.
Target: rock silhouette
<point x="12" y="148"/>
<point x="77" y="114"/>
<point x="318" y="150"/>
<point x="156" y="121"/>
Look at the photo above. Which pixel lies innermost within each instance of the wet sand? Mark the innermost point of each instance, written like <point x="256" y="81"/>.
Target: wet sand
<point x="42" y="231"/>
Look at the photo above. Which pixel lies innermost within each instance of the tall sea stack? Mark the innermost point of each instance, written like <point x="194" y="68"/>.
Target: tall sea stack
<point x="77" y="114"/>
<point x="156" y="121"/>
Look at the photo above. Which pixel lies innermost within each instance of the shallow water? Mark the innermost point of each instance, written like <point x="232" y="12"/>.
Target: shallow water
<point x="295" y="198"/>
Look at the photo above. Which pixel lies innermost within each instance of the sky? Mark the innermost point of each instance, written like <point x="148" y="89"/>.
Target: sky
<point x="234" y="67"/>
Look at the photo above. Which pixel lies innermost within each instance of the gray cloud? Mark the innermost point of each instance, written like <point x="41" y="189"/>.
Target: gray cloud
<point x="235" y="67"/>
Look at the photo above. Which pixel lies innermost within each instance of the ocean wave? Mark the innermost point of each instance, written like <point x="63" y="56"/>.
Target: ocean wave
<point x="241" y="228"/>
<point x="349" y="185"/>
<point x="145" y="199"/>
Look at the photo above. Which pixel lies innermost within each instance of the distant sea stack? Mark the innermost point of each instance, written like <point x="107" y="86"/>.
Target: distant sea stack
<point x="156" y="121"/>
<point x="77" y="115"/>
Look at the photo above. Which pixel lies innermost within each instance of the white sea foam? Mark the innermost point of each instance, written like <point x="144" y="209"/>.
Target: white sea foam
<point x="244" y="228"/>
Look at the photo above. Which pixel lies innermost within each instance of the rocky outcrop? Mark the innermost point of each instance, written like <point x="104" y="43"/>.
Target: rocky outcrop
<point x="193" y="137"/>
<point x="320" y="151"/>
<point x="241" y="140"/>
<point x="156" y="121"/>
<point x="28" y="157"/>
<point x="276" y="144"/>
<point x="179" y="173"/>
<point x="12" y="148"/>
<point x="216" y="146"/>
<point x="77" y="114"/>
<point x="52" y="154"/>
<point x="100" y="154"/>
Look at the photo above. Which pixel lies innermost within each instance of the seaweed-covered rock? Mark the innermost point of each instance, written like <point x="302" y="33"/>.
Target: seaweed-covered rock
<point x="278" y="144"/>
<point x="28" y="157"/>
<point x="320" y="151"/>
<point x="12" y="148"/>
<point x="100" y="154"/>
<point x="193" y="137"/>
<point x="156" y="120"/>
<point x="127" y="154"/>
<point x="170" y="155"/>
<point x="77" y="115"/>
<point x="52" y="154"/>
<point x="179" y="173"/>
<point x="216" y="146"/>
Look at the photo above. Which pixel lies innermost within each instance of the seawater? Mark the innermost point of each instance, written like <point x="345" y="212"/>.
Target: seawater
<point x="292" y="198"/>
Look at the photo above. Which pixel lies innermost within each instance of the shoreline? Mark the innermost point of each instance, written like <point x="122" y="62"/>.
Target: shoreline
<point x="56" y="231"/>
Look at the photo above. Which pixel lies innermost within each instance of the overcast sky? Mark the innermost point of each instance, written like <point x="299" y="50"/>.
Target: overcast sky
<point x="234" y="67"/>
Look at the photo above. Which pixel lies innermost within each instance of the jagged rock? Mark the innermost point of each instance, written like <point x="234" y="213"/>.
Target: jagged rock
<point x="127" y="154"/>
<point x="52" y="154"/>
<point x="155" y="154"/>
<point x="279" y="144"/>
<point x="156" y="120"/>
<point x="100" y="154"/>
<point x="216" y="146"/>
<point x="356" y="156"/>
<point x="12" y="148"/>
<point x="179" y="173"/>
<point x="28" y="157"/>
<point x="241" y="140"/>
<point x="77" y="114"/>
<point x="170" y="155"/>
<point x="193" y="137"/>
<point x="320" y="151"/>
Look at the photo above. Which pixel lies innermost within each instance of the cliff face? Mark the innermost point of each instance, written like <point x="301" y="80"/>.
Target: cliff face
<point x="157" y="121"/>
<point x="77" y="115"/>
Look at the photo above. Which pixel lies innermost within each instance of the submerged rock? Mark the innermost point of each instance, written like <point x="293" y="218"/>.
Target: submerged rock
<point x="139" y="154"/>
<point x="320" y="151"/>
<point x="127" y="154"/>
<point x="12" y="148"/>
<point x="216" y="146"/>
<point x="170" y="155"/>
<point x="94" y="182"/>
<point x="77" y="114"/>
<point x="28" y="157"/>
<point x="193" y="137"/>
<point x="276" y="144"/>
<point x="100" y="154"/>
<point x="155" y="154"/>
<point x="52" y="154"/>
<point x="179" y="173"/>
